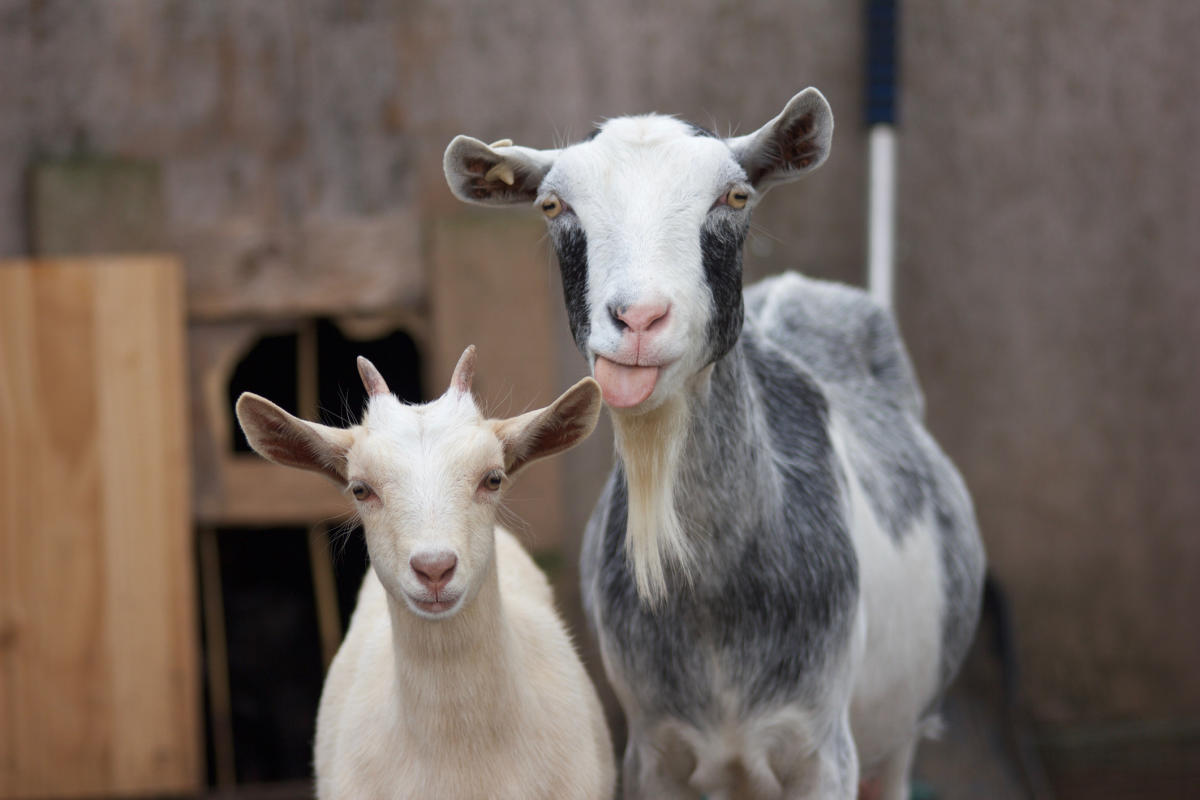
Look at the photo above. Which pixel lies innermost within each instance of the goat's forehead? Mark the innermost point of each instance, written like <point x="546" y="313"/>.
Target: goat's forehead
<point x="647" y="130"/>
<point x="649" y="152"/>
<point x="396" y="436"/>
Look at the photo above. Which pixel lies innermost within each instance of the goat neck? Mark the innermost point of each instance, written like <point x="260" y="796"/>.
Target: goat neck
<point x="450" y="670"/>
<point x="710" y="436"/>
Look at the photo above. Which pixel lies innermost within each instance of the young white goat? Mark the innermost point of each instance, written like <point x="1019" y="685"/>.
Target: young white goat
<point x="456" y="678"/>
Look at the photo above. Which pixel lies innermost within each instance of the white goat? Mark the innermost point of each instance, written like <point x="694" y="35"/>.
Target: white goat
<point x="457" y="678"/>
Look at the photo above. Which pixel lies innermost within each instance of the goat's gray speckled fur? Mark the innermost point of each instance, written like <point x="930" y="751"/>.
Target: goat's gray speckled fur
<point x="783" y="570"/>
<point x="777" y="572"/>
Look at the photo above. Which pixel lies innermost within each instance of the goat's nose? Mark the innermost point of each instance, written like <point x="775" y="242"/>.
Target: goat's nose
<point x="434" y="570"/>
<point x="639" y="317"/>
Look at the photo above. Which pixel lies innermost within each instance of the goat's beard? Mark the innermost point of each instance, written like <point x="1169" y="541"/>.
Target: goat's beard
<point x="651" y="448"/>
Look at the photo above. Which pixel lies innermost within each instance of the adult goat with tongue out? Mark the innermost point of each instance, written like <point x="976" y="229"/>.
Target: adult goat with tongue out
<point x="784" y="569"/>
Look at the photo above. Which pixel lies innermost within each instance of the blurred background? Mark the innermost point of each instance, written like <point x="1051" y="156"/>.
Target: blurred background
<point x="198" y="199"/>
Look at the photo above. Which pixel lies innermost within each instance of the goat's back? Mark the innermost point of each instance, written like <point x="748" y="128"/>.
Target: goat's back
<point x="909" y="512"/>
<point x="838" y="334"/>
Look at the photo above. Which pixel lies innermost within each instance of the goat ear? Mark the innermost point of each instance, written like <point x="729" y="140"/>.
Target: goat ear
<point x="278" y="436"/>
<point x="499" y="174"/>
<point x="560" y="426"/>
<point x="790" y="146"/>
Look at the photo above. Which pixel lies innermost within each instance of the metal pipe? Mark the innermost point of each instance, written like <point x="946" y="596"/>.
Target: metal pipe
<point x="882" y="21"/>
<point x="881" y="219"/>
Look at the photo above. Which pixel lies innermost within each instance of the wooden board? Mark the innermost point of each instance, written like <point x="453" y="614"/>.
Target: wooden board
<point x="98" y="624"/>
<point x="490" y="283"/>
<point x="255" y="492"/>
<point x="240" y="489"/>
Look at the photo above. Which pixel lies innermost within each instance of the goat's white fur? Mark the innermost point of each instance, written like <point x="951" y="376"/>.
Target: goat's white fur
<point x="486" y="698"/>
<point x="902" y="609"/>
<point x="651" y="446"/>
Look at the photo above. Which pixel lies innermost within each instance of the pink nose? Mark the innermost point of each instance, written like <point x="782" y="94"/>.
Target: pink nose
<point x="641" y="317"/>
<point x="434" y="570"/>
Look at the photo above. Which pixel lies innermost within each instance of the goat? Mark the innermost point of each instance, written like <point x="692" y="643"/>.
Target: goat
<point x="784" y="570"/>
<point x="456" y="678"/>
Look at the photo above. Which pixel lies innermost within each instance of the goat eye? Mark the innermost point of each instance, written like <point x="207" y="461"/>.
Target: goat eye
<point x="361" y="491"/>
<point x="737" y="197"/>
<point x="551" y="206"/>
<point x="492" y="480"/>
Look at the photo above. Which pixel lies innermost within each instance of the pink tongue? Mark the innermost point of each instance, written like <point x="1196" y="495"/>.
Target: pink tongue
<point x="624" y="386"/>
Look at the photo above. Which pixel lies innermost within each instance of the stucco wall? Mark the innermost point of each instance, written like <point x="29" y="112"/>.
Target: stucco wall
<point x="1049" y="250"/>
<point x="1050" y="276"/>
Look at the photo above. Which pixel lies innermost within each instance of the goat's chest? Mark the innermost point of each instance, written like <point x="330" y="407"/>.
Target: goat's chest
<point x="405" y="767"/>
<point x="766" y="625"/>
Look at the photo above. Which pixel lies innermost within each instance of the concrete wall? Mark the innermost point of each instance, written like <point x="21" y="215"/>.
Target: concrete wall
<point x="1049" y="251"/>
<point x="1050" y="278"/>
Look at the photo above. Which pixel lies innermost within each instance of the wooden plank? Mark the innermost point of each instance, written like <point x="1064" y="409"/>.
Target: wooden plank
<point x="97" y="608"/>
<point x="324" y="582"/>
<point x="216" y="655"/>
<point x="239" y="268"/>
<point x="240" y="489"/>
<point x="485" y="266"/>
<point x="255" y="492"/>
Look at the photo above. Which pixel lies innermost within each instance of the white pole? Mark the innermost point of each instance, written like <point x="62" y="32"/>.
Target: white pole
<point x="881" y="219"/>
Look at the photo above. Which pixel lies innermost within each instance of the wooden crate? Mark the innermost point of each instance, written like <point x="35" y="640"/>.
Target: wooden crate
<point x="98" y="621"/>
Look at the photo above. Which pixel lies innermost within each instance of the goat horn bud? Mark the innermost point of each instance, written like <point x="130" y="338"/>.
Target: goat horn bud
<point x="464" y="372"/>
<point x="502" y="172"/>
<point x="372" y="380"/>
<point x="501" y="143"/>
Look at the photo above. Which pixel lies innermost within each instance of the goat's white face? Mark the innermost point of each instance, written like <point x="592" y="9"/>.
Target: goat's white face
<point x="426" y="480"/>
<point x="648" y="217"/>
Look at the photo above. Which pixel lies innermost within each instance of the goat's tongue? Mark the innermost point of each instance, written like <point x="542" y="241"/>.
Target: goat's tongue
<point x="624" y="386"/>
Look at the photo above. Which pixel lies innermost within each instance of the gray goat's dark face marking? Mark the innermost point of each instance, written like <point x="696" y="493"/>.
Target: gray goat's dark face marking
<point x="570" y="243"/>
<point x="721" y="250"/>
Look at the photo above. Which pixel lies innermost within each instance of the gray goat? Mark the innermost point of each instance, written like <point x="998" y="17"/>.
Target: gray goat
<point x="784" y="570"/>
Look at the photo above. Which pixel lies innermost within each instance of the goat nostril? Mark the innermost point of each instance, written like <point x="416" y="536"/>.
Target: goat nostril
<point x="641" y="317"/>
<point x="614" y="313"/>
<point x="436" y="570"/>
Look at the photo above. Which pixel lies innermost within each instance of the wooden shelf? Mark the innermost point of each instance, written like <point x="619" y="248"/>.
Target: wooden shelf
<point x="253" y="492"/>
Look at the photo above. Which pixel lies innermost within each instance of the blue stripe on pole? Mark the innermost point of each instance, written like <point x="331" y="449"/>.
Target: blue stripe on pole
<point x="882" y="23"/>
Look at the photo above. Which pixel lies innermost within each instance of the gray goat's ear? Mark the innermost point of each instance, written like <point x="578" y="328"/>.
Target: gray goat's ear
<point x="278" y="436"/>
<point x="790" y="146"/>
<point x="560" y="426"/>
<point x="499" y="174"/>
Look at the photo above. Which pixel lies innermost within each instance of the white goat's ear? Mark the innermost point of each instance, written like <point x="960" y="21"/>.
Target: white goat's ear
<point x="560" y="426"/>
<point x="790" y="146"/>
<point x="278" y="436"/>
<point x="499" y="174"/>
